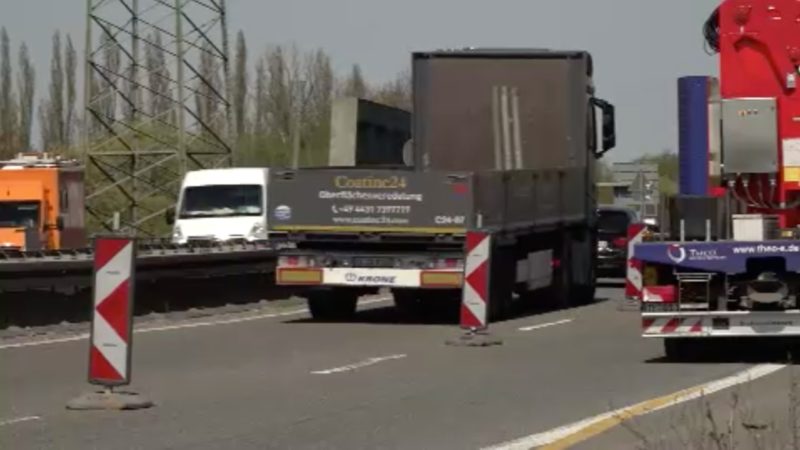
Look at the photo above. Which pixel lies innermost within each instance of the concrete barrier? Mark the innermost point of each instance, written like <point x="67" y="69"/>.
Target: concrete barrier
<point x="365" y="132"/>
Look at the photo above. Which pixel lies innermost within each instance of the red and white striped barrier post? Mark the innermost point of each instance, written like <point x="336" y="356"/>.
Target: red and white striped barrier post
<point x="476" y="292"/>
<point x="112" y="325"/>
<point x="633" y="276"/>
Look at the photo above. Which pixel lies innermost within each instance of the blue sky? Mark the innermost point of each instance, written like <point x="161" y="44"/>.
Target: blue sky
<point x="640" y="47"/>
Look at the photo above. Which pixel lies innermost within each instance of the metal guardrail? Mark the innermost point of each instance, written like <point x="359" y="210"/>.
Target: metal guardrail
<point x="156" y="258"/>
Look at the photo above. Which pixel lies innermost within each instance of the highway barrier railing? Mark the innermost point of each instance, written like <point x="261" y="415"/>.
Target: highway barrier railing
<point x="63" y="269"/>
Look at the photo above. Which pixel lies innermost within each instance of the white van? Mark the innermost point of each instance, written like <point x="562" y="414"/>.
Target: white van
<point x="221" y="205"/>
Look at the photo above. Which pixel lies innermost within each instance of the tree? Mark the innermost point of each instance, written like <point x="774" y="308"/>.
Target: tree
<point x="208" y="88"/>
<point x="316" y="107"/>
<point x="604" y="171"/>
<point x="668" y="166"/>
<point x="396" y="93"/>
<point x="158" y="77"/>
<point x="70" y="67"/>
<point x="26" y="88"/>
<point x="51" y="111"/>
<point x="278" y="93"/>
<point x="8" y="123"/>
<point x="240" y="85"/>
<point x="261" y="124"/>
<point x="105" y="76"/>
<point x="45" y="124"/>
<point x="354" y="85"/>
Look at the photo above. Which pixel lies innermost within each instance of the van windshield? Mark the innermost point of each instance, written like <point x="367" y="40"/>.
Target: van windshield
<point x="221" y="201"/>
<point x="19" y="214"/>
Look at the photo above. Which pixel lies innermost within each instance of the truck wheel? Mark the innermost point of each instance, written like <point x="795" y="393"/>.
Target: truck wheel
<point x="585" y="293"/>
<point x="407" y="302"/>
<point x="420" y="303"/>
<point x="501" y="285"/>
<point x="336" y="304"/>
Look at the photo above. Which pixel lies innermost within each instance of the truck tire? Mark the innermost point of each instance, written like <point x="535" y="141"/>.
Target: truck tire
<point x="421" y="303"/>
<point x="407" y="302"/>
<point x="501" y="285"/>
<point x="585" y="292"/>
<point x="334" y="304"/>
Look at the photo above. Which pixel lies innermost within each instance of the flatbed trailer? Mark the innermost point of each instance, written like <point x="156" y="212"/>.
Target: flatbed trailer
<point x="410" y="237"/>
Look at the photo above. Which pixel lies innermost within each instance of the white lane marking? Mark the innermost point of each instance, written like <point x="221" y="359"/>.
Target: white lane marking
<point x="555" y="434"/>
<point x="83" y="336"/>
<point x="18" y="420"/>
<point x="545" y="325"/>
<point x="358" y="365"/>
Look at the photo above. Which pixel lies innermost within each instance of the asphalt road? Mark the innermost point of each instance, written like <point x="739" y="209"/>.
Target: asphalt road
<point x="281" y="381"/>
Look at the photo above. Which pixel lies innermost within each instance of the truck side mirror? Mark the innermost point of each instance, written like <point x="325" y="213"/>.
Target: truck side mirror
<point x="169" y="216"/>
<point x="609" y="125"/>
<point x="60" y="223"/>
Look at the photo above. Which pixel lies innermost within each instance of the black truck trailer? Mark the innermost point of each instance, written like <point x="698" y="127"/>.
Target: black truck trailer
<point x="504" y="141"/>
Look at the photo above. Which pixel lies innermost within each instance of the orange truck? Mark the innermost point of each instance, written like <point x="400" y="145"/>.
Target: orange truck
<point x="41" y="203"/>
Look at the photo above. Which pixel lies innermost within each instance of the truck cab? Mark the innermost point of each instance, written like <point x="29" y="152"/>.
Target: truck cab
<point x="221" y="205"/>
<point x="41" y="203"/>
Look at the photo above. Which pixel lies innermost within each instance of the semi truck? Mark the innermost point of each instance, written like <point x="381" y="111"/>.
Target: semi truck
<point x="41" y="203"/>
<point x="503" y="141"/>
<point x="731" y="267"/>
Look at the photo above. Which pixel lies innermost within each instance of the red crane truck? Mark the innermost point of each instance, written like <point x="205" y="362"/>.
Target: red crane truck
<point x="732" y="265"/>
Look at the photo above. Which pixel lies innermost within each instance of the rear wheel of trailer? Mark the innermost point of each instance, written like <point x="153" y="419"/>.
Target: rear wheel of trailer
<point x="333" y="304"/>
<point x="426" y="303"/>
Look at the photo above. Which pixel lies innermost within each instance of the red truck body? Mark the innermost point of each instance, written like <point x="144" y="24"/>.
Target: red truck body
<point x="759" y="55"/>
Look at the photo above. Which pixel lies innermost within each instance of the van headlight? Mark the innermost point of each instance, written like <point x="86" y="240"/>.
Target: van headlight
<point x="258" y="231"/>
<point x="177" y="235"/>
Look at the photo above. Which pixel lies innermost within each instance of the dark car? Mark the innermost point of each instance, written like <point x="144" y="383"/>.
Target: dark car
<point x="612" y="239"/>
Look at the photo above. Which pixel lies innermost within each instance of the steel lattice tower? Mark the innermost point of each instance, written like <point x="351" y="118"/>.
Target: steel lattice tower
<point x="156" y="90"/>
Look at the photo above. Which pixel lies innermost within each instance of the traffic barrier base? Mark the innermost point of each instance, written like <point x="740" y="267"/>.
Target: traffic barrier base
<point x="475" y="296"/>
<point x="112" y="326"/>
<point x="475" y="338"/>
<point x="109" y="399"/>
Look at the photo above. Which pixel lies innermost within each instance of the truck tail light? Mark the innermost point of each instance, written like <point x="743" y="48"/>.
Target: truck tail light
<point x="659" y="294"/>
<point x="295" y="261"/>
<point x="620" y="242"/>
<point x="448" y="263"/>
<point x="441" y="279"/>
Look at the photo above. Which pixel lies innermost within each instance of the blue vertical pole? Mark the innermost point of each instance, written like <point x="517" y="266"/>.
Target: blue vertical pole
<point x="693" y="152"/>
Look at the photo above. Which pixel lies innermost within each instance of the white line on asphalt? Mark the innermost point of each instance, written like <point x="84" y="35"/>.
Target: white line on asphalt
<point x="586" y="428"/>
<point x="18" y="420"/>
<point x="358" y="365"/>
<point x="545" y="325"/>
<point x="179" y="326"/>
